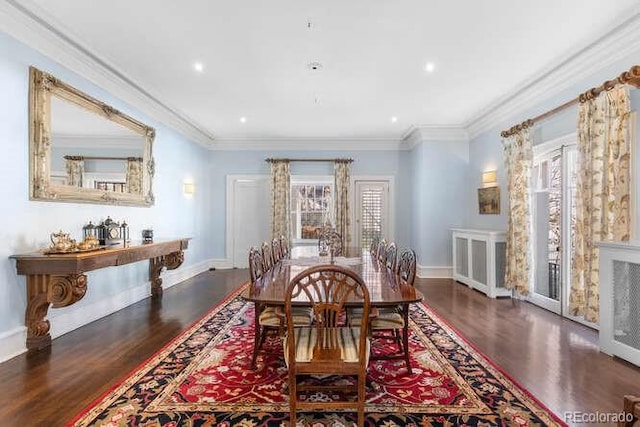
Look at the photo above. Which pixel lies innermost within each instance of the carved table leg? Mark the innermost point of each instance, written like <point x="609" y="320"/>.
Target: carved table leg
<point x="155" y="268"/>
<point x="42" y="290"/>
<point x="170" y="261"/>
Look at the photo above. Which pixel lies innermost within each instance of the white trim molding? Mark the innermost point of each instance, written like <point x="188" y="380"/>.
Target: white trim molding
<point x="12" y="343"/>
<point x="221" y="264"/>
<point x="306" y="144"/>
<point x="30" y="24"/>
<point x="613" y="46"/>
<point x="431" y="272"/>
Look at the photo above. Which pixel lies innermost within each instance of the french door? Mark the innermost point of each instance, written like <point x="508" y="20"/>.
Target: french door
<point x="553" y="203"/>
<point x="372" y="213"/>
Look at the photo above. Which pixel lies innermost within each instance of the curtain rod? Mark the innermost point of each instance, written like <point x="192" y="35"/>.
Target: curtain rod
<point x="631" y="77"/>
<point x="101" y="158"/>
<point x="271" y="160"/>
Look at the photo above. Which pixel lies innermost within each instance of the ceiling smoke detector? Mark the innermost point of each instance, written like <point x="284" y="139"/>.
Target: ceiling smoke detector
<point x="314" y="66"/>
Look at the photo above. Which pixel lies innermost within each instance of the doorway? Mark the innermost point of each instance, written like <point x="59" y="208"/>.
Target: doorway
<point x="249" y="216"/>
<point x="553" y="200"/>
<point x="372" y="211"/>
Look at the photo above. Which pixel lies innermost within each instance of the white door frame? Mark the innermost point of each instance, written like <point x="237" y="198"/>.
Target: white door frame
<point x="230" y="221"/>
<point x="392" y="201"/>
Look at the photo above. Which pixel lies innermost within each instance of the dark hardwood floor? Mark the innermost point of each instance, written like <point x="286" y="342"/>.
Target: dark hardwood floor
<point x="555" y="359"/>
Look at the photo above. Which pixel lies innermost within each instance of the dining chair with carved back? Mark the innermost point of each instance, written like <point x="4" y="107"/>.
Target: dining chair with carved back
<point x="381" y="255"/>
<point x="276" y="250"/>
<point x="329" y="346"/>
<point x="373" y="247"/>
<point x="267" y="255"/>
<point x="391" y="324"/>
<point x="330" y="243"/>
<point x="266" y="320"/>
<point x="284" y="247"/>
<point x="391" y="257"/>
<point x="406" y="266"/>
<point x="269" y="319"/>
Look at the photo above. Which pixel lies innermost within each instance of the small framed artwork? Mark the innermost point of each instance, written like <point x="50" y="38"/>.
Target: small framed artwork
<point x="489" y="200"/>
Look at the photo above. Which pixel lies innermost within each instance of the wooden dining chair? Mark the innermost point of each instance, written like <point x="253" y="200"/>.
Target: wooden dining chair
<point x="329" y="346"/>
<point x="266" y="318"/>
<point x="284" y="247"/>
<point x="373" y="247"/>
<point x="267" y="255"/>
<point x="392" y="323"/>
<point x="390" y="257"/>
<point x="269" y="319"/>
<point x="330" y="243"/>
<point x="276" y="250"/>
<point x="382" y="252"/>
<point x="256" y="264"/>
<point x="406" y="266"/>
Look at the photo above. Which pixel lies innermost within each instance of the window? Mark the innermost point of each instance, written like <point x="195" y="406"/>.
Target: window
<point x="311" y="206"/>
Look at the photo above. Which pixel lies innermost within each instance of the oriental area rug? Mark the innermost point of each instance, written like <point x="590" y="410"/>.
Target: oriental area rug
<point x="203" y="378"/>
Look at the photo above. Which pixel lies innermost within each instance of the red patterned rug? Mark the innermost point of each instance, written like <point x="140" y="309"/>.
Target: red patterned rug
<point x="203" y="378"/>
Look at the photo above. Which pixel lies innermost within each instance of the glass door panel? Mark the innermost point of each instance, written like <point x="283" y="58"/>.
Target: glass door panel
<point x="553" y="220"/>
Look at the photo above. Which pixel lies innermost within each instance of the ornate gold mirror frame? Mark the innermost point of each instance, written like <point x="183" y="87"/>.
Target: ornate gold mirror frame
<point x="43" y="87"/>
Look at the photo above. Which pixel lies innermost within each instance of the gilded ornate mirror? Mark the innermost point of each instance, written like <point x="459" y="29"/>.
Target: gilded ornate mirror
<point x="83" y="150"/>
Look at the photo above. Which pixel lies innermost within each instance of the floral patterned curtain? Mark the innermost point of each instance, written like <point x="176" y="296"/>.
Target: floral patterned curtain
<point x="518" y="156"/>
<point x="134" y="175"/>
<point x="342" y="176"/>
<point x="280" y="199"/>
<point x="602" y="193"/>
<point x="75" y="170"/>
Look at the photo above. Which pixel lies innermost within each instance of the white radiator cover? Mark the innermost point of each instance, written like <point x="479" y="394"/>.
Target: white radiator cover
<point x="479" y="259"/>
<point x="620" y="300"/>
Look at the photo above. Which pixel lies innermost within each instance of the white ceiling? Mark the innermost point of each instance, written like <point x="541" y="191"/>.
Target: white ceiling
<point x="373" y="55"/>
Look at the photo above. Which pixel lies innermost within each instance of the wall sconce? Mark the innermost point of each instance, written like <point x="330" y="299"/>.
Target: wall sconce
<point x="188" y="188"/>
<point x="489" y="178"/>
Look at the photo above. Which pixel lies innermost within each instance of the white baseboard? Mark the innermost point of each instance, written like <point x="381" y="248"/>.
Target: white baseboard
<point x="12" y="343"/>
<point x="173" y="277"/>
<point x="425" y="272"/>
<point x="222" y="263"/>
<point x="74" y="317"/>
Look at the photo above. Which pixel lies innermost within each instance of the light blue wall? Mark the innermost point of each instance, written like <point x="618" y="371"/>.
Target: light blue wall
<point x="439" y="176"/>
<point x="486" y="149"/>
<point x="390" y="163"/>
<point x="27" y="224"/>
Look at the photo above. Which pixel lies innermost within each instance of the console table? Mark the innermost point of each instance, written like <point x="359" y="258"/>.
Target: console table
<point x="59" y="280"/>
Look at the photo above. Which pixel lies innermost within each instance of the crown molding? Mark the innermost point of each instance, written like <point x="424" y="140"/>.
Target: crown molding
<point x="29" y="24"/>
<point x="429" y="133"/>
<point x="25" y="21"/>
<point x="306" y="144"/>
<point x="615" y="45"/>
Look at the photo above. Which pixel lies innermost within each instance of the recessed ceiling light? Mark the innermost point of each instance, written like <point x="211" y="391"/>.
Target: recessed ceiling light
<point x="394" y="119"/>
<point x="198" y="66"/>
<point x="243" y="119"/>
<point x="430" y="67"/>
<point x="314" y="66"/>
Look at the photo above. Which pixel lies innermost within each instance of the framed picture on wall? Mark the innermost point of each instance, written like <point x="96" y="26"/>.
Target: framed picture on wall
<point x="489" y="200"/>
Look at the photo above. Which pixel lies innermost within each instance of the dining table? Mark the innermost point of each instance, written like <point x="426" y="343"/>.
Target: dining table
<point x="385" y="288"/>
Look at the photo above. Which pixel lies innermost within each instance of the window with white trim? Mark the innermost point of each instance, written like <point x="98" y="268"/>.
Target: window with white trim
<point x="311" y="206"/>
